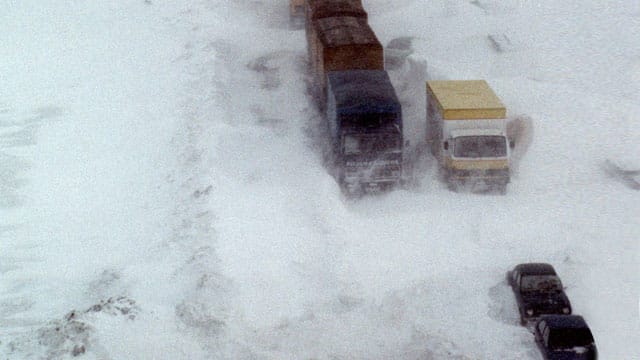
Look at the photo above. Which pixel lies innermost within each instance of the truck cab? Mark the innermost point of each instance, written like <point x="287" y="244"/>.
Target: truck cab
<point x="371" y="160"/>
<point x="365" y="124"/>
<point x="478" y="159"/>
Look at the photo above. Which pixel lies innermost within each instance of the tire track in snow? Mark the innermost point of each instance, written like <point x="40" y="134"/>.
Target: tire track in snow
<point x="17" y="132"/>
<point x="216" y="118"/>
<point x="204" y="309"/>
<point x="253" y="137"/>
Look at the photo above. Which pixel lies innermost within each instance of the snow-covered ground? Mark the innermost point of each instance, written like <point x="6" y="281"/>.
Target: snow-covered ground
<point x="163" y="193"/>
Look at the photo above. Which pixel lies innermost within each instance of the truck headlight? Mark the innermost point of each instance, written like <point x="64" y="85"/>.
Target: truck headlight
<point x="530" y="312"/>
<point x="565" y="310"/>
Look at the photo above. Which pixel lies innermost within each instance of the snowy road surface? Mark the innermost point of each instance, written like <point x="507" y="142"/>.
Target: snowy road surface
<point x="163" y="193"/>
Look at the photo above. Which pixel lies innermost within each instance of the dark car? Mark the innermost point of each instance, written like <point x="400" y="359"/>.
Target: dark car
<point x="538" y="291"/>
<point x="565" y="337"/>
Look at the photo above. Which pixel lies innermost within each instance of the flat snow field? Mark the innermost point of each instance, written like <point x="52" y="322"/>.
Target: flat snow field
<point x="163" y="193"/>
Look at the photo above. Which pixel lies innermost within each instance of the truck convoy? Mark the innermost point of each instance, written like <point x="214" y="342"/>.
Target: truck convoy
<point x="350" y="86"/>
<point x="466" y="122"/>
<point x="466" y="131"/>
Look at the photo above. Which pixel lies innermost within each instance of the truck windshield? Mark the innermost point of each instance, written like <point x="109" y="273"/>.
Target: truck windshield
<point x="480" y="146"/>
<point x="356" y="144"/>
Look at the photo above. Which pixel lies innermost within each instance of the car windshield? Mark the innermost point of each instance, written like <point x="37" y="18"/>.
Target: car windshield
<point x="540" y="283"/>
<point x="480" y="146"/>
<point x="570" y="338"/>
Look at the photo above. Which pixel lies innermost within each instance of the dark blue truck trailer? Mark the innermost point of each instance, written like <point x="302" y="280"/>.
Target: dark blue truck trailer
<point x="365" y="123"/>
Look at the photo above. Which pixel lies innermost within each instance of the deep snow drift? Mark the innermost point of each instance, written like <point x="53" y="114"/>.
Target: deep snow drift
<point x="163" y="193"/>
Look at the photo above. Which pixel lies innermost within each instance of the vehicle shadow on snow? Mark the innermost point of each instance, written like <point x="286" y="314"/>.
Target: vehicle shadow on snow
<point x="520" y="134"/>
<point x="503" y="307"/>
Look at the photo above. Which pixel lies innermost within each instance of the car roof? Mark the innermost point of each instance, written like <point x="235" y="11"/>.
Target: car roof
<point x="536" y="269"/>
<point x="564" y="321"/>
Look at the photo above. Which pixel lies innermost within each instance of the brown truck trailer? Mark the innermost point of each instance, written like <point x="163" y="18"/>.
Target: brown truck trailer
<point x="320" y="9"/>
<point x="342" y="43"/>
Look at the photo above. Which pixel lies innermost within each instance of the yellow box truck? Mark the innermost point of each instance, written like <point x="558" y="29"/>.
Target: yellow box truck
<point x="466" y="131"/>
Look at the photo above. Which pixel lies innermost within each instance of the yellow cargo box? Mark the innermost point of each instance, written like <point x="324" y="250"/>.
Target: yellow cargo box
<point x="465" y="99"/>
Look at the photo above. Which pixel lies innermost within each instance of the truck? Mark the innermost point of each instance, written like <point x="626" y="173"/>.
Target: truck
<point x="365" y="126"/>
<point x="467" y="134"/>
<point x="341" y="43"/>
